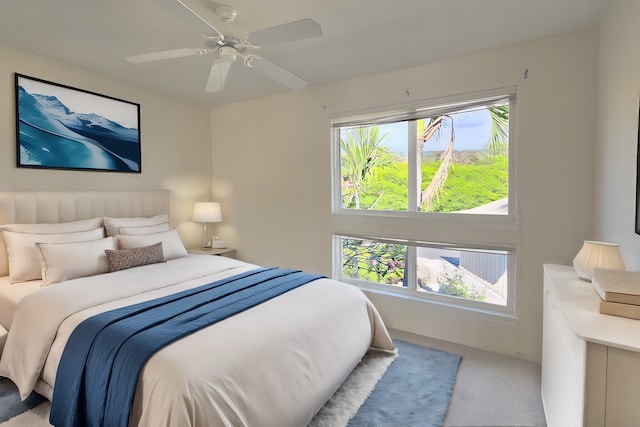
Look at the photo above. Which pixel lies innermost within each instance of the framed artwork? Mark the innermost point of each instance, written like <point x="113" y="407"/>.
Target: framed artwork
<point x="61" y="127"/>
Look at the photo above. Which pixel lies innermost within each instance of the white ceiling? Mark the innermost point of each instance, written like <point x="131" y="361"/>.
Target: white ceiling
<point x="360" y="37"/>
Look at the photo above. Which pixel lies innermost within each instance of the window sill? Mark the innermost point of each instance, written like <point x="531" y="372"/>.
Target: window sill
<point x="459" y="310"/>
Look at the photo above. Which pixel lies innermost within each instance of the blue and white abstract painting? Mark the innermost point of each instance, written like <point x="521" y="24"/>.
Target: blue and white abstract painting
<point x="65" y="128"/>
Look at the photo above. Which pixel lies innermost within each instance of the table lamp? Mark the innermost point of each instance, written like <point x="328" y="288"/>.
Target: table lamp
<point x="597" y="255"/>
<point x="207" y="213"/>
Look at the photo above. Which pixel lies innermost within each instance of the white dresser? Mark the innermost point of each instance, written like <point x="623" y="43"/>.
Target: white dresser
<point x="590" y="361"/>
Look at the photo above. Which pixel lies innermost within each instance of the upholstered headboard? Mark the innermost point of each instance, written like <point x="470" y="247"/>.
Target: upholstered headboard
<point x="31" y="207"/>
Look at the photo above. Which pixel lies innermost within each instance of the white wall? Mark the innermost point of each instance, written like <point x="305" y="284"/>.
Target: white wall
<point x="175" y="141"/>
<point x="271" y="170"/>
<point x="617" y="135"/>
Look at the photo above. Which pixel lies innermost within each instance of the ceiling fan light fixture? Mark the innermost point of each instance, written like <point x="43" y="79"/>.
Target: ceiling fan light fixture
<point x="227" y="54"/>
<point x="226" y="13"/>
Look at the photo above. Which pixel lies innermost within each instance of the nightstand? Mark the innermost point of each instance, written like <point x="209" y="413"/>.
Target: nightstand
<point x="226" y="252"/>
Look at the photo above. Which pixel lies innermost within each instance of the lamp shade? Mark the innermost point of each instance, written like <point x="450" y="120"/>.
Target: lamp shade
<point x="207" y="212"/>
<point x="597" y="255"/>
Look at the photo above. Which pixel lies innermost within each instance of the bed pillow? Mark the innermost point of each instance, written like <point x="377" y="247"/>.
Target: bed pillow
<point x="113" y="224"/>
<point x="53" y="228"/>
<point x="144" y="229"/>
<point x="122" y="259"/>
<point x="66" y="261"/>
<point x="24" y="263"/>
<point x="172" y="246"/>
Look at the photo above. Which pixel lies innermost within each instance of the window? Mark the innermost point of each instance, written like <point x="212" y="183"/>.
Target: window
<point x="421" y="200"/>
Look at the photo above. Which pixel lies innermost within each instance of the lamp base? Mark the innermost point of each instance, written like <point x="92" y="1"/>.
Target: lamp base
<point x="206" y="235"/>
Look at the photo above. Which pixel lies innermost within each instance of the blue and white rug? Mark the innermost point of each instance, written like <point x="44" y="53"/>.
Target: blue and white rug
<point x="412" y="389"/>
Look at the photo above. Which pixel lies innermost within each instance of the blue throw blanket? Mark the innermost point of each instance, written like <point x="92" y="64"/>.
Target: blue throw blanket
<point x="105" y="354"/>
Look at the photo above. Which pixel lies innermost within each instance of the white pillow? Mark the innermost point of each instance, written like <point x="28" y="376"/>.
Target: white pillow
<point x="57" y="228"/>
<point x="144" y="229"/>
<point x="113" y="224"/>
<point x="23" y="258"/>
<point x="66" y="261"/>
<point x="172" y="246"/>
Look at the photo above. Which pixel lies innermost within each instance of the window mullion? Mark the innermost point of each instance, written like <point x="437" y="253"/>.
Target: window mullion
<point x="411" y="269"/>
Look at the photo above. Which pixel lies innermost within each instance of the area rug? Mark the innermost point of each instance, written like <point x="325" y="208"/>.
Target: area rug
<point x="10" y="404"/>
<point x="410" y="390"/>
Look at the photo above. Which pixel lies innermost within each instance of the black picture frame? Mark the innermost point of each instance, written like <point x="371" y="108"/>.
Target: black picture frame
<point x="62" y="127"/>
<point x="638" y="176"/>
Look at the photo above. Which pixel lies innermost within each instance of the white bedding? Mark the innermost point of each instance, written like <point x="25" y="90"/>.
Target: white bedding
<point x="10" y="296"/>
<point x="273" y="365"/>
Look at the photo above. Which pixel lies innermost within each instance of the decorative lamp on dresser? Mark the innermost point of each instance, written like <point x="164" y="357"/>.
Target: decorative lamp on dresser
<point x="590" y="361"/>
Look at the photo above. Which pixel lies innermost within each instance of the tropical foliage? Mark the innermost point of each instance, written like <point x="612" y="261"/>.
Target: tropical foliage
<point x="497" y="145"/>
<point x="362" y="155"/>
<point x="373" y="261"/>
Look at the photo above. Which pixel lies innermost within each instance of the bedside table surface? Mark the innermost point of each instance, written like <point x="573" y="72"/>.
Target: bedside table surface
<point x="212" y="251"/>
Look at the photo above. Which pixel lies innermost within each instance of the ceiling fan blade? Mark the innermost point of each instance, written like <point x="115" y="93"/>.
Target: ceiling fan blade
<point x="296" y="30"/>
<point x="278" y="73"/>
<point x="217" y="76"/>
<point x="165" y="54"/>
<point x="178" y="8"/>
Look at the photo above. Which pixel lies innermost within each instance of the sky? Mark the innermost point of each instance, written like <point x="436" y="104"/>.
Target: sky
<point x="472" y="130"/>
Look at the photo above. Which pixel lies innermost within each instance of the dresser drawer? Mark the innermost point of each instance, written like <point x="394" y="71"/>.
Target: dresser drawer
<point x="576" y="347"/>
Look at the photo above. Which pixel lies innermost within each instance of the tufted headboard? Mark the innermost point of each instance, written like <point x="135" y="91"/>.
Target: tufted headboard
<point x="30" y="207"/>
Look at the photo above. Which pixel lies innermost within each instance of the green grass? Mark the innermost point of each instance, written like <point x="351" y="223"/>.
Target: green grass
<point x="471" y="185"/>
<point x="478" y="181"/>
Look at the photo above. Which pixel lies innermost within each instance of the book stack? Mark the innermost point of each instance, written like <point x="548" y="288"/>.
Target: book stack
<point x="619" y="292"/>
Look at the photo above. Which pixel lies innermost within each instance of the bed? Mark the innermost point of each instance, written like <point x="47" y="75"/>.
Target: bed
<point x="275" y="364"/>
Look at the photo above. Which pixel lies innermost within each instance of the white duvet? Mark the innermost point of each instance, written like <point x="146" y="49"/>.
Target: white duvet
<point x="273" y="365"/>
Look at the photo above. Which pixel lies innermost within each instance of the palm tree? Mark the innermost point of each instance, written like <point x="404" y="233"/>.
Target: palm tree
<point x="497" y="144"/>
<point x="362" y="153"/>
<point x="499" y="139"/>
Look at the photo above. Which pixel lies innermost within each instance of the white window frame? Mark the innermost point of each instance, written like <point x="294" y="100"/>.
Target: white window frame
<point x="433" y="229"/>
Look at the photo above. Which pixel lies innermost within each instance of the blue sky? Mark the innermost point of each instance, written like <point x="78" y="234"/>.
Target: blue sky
<point x="472" y="131"/>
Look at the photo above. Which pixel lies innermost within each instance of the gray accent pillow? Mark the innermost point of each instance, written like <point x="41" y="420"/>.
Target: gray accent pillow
<point x="122" y="259"/>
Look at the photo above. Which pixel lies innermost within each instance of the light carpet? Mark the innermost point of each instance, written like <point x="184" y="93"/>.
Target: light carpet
<point x="413" y="391"/>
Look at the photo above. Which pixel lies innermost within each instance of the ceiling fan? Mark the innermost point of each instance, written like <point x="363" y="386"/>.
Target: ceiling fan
<point x="234" y="44"/>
